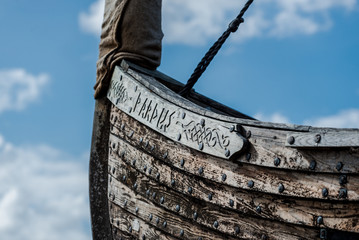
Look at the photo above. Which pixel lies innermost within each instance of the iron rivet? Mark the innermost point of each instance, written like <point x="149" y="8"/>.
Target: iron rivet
<point x="210" y="196"/>
<point x="202" y="122"/>
<point x="135" y="186"/>
<point x="110" y="179"/>
<point x="264" y="237"/>
<point x="181" y="233"/>
<point x="224" y="177"/>
<point x="190" y="190"/>
<point x="195" y="215"/>
<point x="248" y="134"/>
<point x="165" y="155"/>
<point x="135" y="88"/>
<point x="154" y="195"/>
<point x="148" y="192"/>
<point x="291" y="140"/>
<point x="162" y="200"/>
<point x="200" y="238"/>
<point x="141" y="140"/>
<point x="178" y="208"/>
<point x="123" y="127"/>
<point x="250" y="184"/>
<point x="200" y="146"/>
<point x="236" y="230"/>
<point x="231" y="202"/>
<point x="248" y="156"/>
<point x="312" y="165"/>
<point x="339" y="166"/>
<point x="281" y="188"/>
<point x="131" y="134"/>
<point x="157" y="220"/>
<point x="325" y="192"/>
<point x="145" y="168"/>
<point x="125" y="203"/>
<point x="276" y="162"/>
<point x="200" y="170"/>
<point x="320" y="220"/>
<point x="124" y="178"/>
<point x="150" y="217"/>
<point x="113" y="170"/>
<point x="323" y="234"/>
<point x="231" y="129"/>
<point x="173" y="182"/>
<point x="183" y="115"/>
<point x="143" y="237"/>
<point x="164" y="224"/>
<point x="215" y="224"/>
<point x="122" y="154"/>
<point x="343" y="193"/>
<point x="136" y="209"/>
<point x="179" y="137"/>
<point x="134" y="162"/>
<point x="158" y="176"/>
<point x="118" y="223"/>
<point x="113" y="197"/>
<point x="258" y="209"/>
<point x="130" y="229"/>
<point x="317" y="138"/>
<point x="146" y="144"/>
<point x="343" y="179"/>
<point x="182" y="162"/>
<point x="153" y="148"/>
<point x="130" y="109"/>
<point x="114" y="145"/>
<point x="149" y="170"/>
<point x="227" y="153"/>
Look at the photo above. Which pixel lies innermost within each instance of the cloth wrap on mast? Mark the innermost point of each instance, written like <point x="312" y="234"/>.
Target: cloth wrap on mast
<point x="131" y="30"/>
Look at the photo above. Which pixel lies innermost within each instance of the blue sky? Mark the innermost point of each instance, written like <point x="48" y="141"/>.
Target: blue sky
<point x="291" y="61"/>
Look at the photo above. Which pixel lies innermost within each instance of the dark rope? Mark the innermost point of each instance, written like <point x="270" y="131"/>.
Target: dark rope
<point x="206" y="60"/>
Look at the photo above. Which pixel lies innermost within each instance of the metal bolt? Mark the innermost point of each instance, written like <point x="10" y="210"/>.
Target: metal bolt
<point x="224" y="177"/>
<point x="323" y="234"/>
<point x="276" y="162"/>
<point x="343" y="179"/>
<point x="250" y="183"/>
<point x="164" y="224"/>
<point x="130" y="109"/>
<point x="173" y="182"/>
<point x="113" y="170"/>
<point x="210" y="196"/>
<point x="141" y="140"/>
<point x="130" y="229"/>
<point x="131" y="134"/>
<point x="183" y="115"/>
<point x="122" y="154"/>
<point x="153" y="148"/>
<point x="202" y="122"/>
<point x="123" y="127"/>
<point x="149" y="170"/>
<point x="264" y="237"/>
<point x="154" y="195"/>
<point x="339" y="166"/>
<point x="181" y="233"/>
<point x="236" y="230"/>
<point x="150" y="217"/>
<point x="148" y="192"/>
<point x="200" y="238"/>
<point x="114" y="145"/>
<point x="215" y="224"/>
<point x="195" y="215"/>
<point x="182" y="162"/>
<point x="281" y="188"/>
<point x="158" y="176"/>
<point x="248" y="156"/>
<point x="162" y="200"/>
<point x="190" y="190"/>
<point x="258" y="209"/>
<point x="136" y="209"/>
<point x="113" y="197"/>
<point x="134" y="162"/>
<point x="343" y="193"/>
<point x="227" y="153"/>
<point x="320" y="220"/>
<point x="157" y="220"/>
<point x="325" y="192"/>
<point x="200" y="170"/>
<point x="178" y="208"/>
<point x="125" y="203"/>
<point x="200" y="146"/>
<point x="317" y="138"/>
<point x="179" y="136"/>
<point x="124" y="178"/>
<point x="248" y="134"/>
<point x="312" y="165"/>
<point x="135" y="186"/>
<point x="145" y="168"/>
<point x="165" y="155"/>
<point x="291" y="140"/>
<point x="146" y="144"/>
<point x="232" y="128"/>
<point x="143" y="237"/>
<point x="231" y="202"/>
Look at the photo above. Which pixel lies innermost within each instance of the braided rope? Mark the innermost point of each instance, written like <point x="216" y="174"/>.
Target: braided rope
<point x="212" y="52"/>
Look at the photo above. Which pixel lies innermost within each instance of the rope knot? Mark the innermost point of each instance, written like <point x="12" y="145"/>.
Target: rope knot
<point x="233" y="26"/>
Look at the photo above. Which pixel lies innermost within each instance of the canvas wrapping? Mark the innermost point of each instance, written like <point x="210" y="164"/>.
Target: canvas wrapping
<point x="131" y="30"/>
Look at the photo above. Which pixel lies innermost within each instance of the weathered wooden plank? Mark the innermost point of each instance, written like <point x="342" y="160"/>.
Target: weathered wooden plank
<point x="342" y="139"/>
<point x="209" y="215"/>
<point x="299" y="184"/>
<point x="189" y="128"/>
<point x="336" y="215"/>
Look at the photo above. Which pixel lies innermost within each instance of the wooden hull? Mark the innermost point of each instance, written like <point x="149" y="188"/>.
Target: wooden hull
<point x="164" y="168"/>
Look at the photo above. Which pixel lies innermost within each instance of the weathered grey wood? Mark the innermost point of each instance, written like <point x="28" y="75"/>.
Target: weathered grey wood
<point x="98" y="171"/>
<point x="250" y="228"/>
<point x="189" y="128"/>
<point x="337" y="215"/>
<point x="343" y="139"/>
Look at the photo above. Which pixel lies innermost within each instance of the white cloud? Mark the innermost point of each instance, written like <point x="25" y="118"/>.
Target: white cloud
<point x="43" y="194"/>
<point x="18" y="88"/>
<point x="275" y="118"/>
<point x="91" y="20"/>
<point x="196" y="22"/>
<point x="344" y="119"/>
